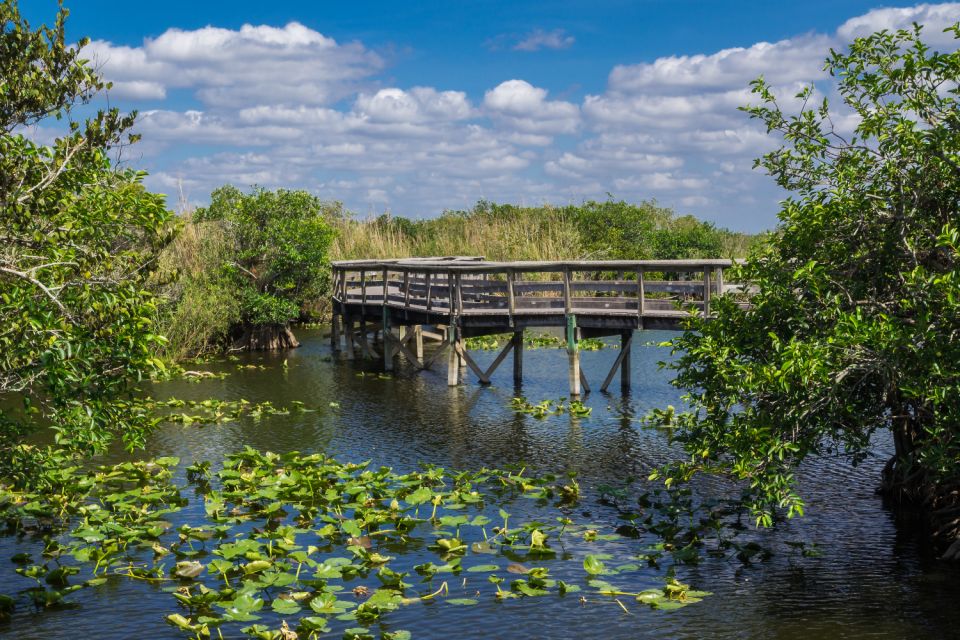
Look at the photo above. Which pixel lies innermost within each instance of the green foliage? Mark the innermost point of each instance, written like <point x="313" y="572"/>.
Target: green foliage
<point x="280" y="241"/>
<point x="856" y="321"/>
<point x="78" y="237"/>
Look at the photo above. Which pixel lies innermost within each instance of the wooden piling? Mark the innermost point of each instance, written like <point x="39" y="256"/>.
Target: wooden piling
<point x="626" y="345"/>
<point x="387" y="337"/>
<point x="573" y="355"/>
<point x="348" y="337"/>
<point x="418" y="341"/>
<point x="453" y="358"/>
<point x="335" y="332"/>
<point x="517" y="357"/>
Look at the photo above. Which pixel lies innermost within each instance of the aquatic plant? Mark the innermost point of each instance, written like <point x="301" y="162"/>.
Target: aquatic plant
<point x="296" y="545"/>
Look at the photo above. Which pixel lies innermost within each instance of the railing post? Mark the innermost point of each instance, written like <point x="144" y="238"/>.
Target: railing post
<point x="386" y="289"/>
<point x="706" y="291"/>
<point x="459" y="294"/>
<point x="363" y="291"/>
<point x="567" y="299"/>
<point x="641" y="297"/>
<point x="429" y="284"/>
<point x="511" y="302"/>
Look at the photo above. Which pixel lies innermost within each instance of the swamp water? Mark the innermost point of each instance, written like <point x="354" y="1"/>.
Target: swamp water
<point x="871" y="578"/>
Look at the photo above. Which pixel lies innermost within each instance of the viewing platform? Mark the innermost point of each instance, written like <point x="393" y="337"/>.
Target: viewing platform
<point x="453" y="298"/>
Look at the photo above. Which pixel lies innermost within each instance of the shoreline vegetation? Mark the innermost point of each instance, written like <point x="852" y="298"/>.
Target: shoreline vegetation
<point x="200" y="274"/>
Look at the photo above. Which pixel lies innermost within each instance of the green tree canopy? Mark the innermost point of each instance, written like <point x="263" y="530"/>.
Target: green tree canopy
<point x="77" y="239"/>
<point x="281" y="241"/>
<point x="855" y="328"/>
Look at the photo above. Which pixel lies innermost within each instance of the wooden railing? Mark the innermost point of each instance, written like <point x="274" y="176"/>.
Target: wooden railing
<point x="466" y="286"/>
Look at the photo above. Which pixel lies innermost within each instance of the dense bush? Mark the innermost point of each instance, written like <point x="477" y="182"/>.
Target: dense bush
<point x="856" y="326"/>
<point x="78" y="238"/>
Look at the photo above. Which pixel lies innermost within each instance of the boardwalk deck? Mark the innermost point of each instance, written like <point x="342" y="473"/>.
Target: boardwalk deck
<point x="468" y="296"/>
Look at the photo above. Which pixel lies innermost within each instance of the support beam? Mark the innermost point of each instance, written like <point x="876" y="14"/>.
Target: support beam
<point x="517" y="340"/>
<point x="573" y="355"/>
<point x="484" y="375"/>
<point x="368" y="351"/>
<point x="622" y="362"/>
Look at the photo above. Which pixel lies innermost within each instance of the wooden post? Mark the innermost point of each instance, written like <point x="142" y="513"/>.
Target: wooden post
<point x="517" y="357"/>
<point x="706" y="291"/>
<point x="567" y="301"/>
<point x="641" y="298"/>
<point x="573" y="353"/>
<point x="418" y="339"/>
<point x="348" y="336"/>
<point x="387" y="336"/>
<point x="363" y="291"/>
<point x="335" y="332"/>
<point x="720" y="281"/>
<point x="511" y="302"/>
<point x="453" y="359"/>
<point x="626" y="344"/>
<point x="428" y="285"/>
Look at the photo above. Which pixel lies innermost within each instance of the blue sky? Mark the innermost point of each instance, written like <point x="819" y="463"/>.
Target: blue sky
<point x="417" y="107"/>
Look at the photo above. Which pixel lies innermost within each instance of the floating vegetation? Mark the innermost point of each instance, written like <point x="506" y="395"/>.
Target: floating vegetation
<point x="295" y="546"/>
<point x="214" y="411"/>
<point x="547" y="408"/>
<point x="531" y="341"/>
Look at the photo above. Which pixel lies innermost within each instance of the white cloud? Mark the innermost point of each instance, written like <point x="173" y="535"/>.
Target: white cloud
<point x="291" y="64"/>
<point x="521" y="106"/>
<point x="799" y="59"/>
<point x="420" y="104"/>
<point x="540" y="39"/>
<point x="934" y="17"/>
<point x="291" y="107"/>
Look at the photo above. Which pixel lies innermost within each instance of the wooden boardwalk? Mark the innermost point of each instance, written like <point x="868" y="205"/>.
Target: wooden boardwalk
<point x="454" y="298"/>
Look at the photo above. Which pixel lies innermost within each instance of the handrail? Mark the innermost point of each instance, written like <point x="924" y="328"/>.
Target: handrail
<point x="476" y="265"/>
<point x="461" y="287"/>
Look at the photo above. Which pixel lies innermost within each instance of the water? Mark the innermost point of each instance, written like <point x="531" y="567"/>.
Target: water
<point x="875" y="579"/>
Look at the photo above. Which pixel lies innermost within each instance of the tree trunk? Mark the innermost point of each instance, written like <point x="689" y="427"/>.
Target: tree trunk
<point x="271" y="337"/>
<point x="910" y="487"/>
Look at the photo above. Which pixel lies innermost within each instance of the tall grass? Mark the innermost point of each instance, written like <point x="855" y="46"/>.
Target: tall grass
<point x="594" y="230"/>
<point x="550" y="234"/>
<point x="198" y="305"/>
